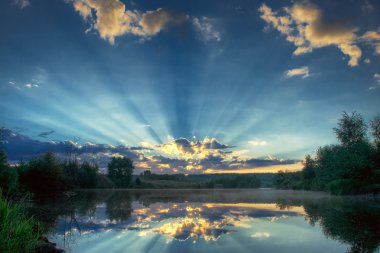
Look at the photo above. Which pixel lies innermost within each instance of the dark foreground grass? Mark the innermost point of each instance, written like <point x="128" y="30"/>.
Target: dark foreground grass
<point x="18" y="232"/>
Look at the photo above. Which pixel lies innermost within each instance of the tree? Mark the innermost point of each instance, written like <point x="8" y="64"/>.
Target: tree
<point x="8" y="175"/>
<point x="87" y="175"/>
<point x="375" y="127"/>
<point x="43" y="176"/>
<point x="308" y="174"/>
<point x="120" y="171"/>
<point x="147" y="173"/>
<point x="351" y="129"/>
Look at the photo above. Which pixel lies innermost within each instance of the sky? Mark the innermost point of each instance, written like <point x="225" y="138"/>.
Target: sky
<point x="188" y="86"/>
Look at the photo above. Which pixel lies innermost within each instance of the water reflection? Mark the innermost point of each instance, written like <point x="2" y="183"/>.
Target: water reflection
<point x="220" y="221"/>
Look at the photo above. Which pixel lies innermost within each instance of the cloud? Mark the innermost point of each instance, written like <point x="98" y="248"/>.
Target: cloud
<point x="367" y="7"/>
<point x="304" y="25"/>
<point x="111" y="19"/>
<point x="187" y="149"/>
<point x="303" y="71"/>
<point x="30" y="85"/>
<point x="21" y="3"/>
<point x="261" y="235"/>
<point x="373" y="38"/>
<point x="205" y="28"/>
<point x="376" y="78"/>
<point x="152" y="22"/>
<point x="177" y="156"/>
<point x="45" y="134"/>
<point x="258" y="143"/>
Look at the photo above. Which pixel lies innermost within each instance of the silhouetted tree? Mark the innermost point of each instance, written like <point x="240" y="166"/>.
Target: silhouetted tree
<point x="43" y="176"/>
<point x="308" y="174"/>
<point x="375" y="128"/>
<point x="8" y="175"/>
<point x="120" y="171"/>
<point x="350" y="168"/>
<point x="147" y="173"/>
<point x="138" y="181"/>
<point x="351" y="129"/>
<point x="119" y="206"/>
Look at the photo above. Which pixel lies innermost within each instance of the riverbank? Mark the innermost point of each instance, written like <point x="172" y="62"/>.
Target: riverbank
<point x="21" y="233"/>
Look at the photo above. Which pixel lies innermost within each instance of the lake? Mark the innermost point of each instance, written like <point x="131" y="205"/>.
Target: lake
<point x="262" y="220"/>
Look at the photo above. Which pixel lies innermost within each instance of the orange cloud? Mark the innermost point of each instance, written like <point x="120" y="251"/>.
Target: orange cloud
<point x="304" y="26"/>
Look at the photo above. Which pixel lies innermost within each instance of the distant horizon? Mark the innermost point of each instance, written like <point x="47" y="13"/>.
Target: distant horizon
<point x="21" y="147"/>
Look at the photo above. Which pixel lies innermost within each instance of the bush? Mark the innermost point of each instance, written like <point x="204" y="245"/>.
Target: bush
<point x="18" y="233"/>
<point x="8" y="175"/>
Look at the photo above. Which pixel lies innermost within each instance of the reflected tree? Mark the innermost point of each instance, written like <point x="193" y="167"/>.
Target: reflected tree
<point x="119" y="206"/>
<point x="356" y="223"/>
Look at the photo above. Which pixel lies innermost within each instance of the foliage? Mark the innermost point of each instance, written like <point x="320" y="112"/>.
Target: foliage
<point x="350" y="168"/>
<point x="355" y="223"/>
<point x="286" y="180"/>
<point x="375" y="128"/>
<point x="43" y="176"/>
<point x="351" y="129"/>
<point x="80" y="175"/>
<point x="102" y="181"/>
<point x="239" y="181"/>
<point x="18" y="233"/>
<point x="120" y="171"/>
<point x="8" y="175"/>
<point x="147" y="173"/>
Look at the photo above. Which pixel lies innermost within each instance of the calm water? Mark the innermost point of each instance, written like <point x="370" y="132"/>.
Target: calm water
<point x="212" y="221"/>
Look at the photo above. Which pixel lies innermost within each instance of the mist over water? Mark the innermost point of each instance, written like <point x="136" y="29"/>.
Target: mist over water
<point x="261" y="220"/>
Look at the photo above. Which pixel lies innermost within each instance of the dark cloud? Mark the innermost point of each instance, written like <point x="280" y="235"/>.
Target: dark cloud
<point x="178" y="156"/>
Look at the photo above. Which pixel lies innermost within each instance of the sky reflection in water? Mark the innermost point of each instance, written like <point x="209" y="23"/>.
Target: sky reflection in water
<point x="216" y="221"/>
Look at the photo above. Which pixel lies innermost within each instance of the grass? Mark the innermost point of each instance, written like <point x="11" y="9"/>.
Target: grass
<point x="18" y="232"/>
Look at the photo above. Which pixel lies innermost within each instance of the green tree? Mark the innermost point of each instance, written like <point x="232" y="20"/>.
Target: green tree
<point x="147" y="173"/>
<point x="375" y="128"/>
<point x="120" y="171"/>
<point x="308" y="174"/>
<point x="43" y="176"/>
<point x="8" y="175"/>
<point x="87" y="175"/>
<point x="351" y="129"/>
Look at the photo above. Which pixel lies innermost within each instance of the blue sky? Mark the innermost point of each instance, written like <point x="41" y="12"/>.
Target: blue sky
<point x="263" y="77"/>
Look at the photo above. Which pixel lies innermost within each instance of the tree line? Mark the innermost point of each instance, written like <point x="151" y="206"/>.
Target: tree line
<point x="350" y="167"/>
<point x="46" y="175"/>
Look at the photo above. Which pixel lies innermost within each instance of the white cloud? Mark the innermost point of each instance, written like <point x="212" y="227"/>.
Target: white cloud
<point x="303" y="71"/>
<point x="30" y="85"/>
<point x="12" y="83"/>
<point x="258" y="143"/>
<point x="111" y="19"/>
<point x="367" y="7"/>
<point x="304" y="26"/>
<point x="376" y="78"/>
<point x="21" y="3"/>
<point x="206" y="29"/>
<point x="261" y="235"/>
